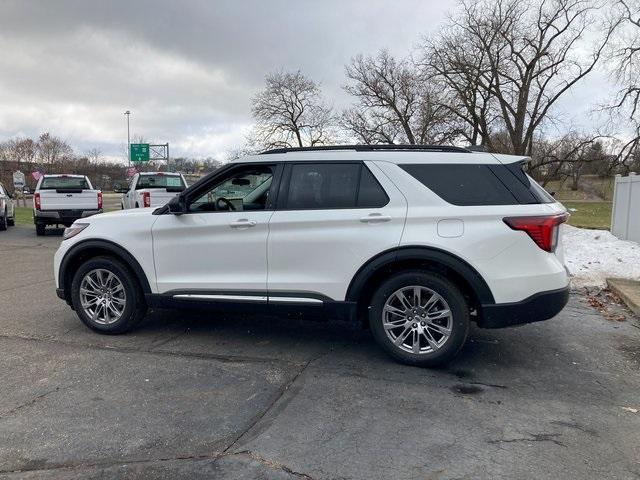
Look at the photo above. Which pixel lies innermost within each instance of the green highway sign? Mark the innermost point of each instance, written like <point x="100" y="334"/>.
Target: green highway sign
<point x="139" y="152"/>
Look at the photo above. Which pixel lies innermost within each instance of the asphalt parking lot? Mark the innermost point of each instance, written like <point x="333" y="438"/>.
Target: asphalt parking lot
<point x="206" y="396"/>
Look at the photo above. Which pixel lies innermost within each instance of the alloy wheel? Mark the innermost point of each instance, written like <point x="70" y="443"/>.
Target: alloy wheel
<point x="417" y="319"/>
<point x="102" y="296"/>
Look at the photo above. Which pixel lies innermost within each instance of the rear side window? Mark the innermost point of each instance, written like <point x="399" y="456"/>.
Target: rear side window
<point x="333" y="185"/>
<point x="64" y="183"/>
<point x="467" y="185"/>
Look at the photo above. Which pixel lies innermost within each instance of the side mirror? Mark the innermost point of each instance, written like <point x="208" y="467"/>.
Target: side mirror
<point x="177" y="205"/>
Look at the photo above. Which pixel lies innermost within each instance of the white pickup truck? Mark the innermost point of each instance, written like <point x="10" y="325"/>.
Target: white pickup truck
<point x="62" y="199"/>
<point x="152" y="189"/>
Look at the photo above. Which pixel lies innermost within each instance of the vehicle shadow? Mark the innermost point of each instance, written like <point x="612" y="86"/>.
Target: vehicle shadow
<point x="298" y="339"/>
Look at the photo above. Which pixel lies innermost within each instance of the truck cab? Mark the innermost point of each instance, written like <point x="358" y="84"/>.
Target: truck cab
<point x="152" y="189"/>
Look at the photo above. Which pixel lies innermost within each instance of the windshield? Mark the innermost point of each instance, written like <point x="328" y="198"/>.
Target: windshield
<point x="171" y="182"/>
<point x="64" y="183"/>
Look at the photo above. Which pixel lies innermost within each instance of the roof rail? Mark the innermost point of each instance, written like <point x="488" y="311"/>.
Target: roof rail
<point x="371" y="148"/>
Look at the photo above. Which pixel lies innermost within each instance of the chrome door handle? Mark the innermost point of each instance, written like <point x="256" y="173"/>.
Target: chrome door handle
<point x="243" y="223"/>
<point x="375" y="218"/>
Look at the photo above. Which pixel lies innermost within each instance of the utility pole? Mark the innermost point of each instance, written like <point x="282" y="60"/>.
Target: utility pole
<point x="128" y="113"/>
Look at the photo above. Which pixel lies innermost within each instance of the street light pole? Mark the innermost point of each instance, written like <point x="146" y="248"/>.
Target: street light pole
<point x="127" y="113"/>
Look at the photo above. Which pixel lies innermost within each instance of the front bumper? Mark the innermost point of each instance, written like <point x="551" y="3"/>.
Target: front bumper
<point x="538" y="307"/>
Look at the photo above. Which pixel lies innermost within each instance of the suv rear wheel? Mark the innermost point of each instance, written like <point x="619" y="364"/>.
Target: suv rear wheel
<point x="419" y="318"/>
<point x="106" y="296"/>
<point x="4" y="220"/>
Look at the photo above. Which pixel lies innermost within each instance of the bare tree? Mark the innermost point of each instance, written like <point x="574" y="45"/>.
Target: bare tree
<point x="566" y="157"/>
<point x="460" y="67"/>
<point x="624" y="57"/>
<point x="94" y="155"/>
<point x="515" y="59"/>
<point x="18" y="150"/>
<point x="51" y="149"/>
<point x="290" y="111"/>
<point x="394" y="103"/>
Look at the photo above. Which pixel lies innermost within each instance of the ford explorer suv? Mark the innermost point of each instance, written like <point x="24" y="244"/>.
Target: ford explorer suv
<point x="415" y="241"/>
<point x="62" y="199"/>
<point x="7" y="210"/>
<point x="152" y="189"/>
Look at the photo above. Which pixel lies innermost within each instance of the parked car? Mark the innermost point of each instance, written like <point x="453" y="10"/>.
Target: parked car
<point x="7" y="210"/>
<point x="152" y="189"/>
<point x="417" y="241"/>
<point x="62" y="199"/>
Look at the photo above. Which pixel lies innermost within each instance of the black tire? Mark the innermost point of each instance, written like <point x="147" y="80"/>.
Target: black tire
<point x="11" y="221"/>
<point x="135" y="306"/>
<point x="3" y="221"/>
<point x="40" y="229"/>
<point x="448" y="291"/>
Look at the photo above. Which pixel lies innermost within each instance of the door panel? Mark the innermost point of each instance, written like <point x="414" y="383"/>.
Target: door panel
<point x="211" y="251"/>
<point x="220" y="244"/>
<point x="320" y="250"/>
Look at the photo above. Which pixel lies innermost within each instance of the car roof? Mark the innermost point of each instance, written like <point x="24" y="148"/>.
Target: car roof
<point x="158" y="173"/>
<point x="398" y="157"/>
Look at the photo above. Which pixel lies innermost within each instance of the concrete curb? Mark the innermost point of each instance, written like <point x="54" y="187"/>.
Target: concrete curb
<point x="628" y="291"/>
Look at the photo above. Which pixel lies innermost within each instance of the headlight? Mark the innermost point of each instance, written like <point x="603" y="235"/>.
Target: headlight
<point x="73" y="230"/>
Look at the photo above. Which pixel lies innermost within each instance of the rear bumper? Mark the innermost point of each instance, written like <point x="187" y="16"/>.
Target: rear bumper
<point x="50" y="217"/>
<point x="538" y="307"/>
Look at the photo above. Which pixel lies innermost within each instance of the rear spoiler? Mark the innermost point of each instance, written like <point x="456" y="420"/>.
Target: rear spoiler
<point x="507" y="159"/>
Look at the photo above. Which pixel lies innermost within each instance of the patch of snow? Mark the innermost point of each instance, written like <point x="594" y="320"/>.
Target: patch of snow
<point x="593" y="255"/>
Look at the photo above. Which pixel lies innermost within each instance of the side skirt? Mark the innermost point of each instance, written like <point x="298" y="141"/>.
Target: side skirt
<point x="279" y="304"/>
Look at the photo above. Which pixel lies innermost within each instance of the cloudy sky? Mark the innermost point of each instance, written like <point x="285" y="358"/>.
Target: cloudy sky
<point x="187" y="69"/>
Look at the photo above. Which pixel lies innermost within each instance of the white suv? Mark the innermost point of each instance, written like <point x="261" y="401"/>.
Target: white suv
<point x="418" y="241"/>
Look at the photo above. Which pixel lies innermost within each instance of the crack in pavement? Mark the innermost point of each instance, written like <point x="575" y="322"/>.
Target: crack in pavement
<point x="269" y="463"/>
<point x="107" y="464"/>
<point x="29" y="403"/>
<point x="534" y="437"/>
<point x="275" y="400"/>
<point x="151" y="351"/>
<point x="273" y="465"/>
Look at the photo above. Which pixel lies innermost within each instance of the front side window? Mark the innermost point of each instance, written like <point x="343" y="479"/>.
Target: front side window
<point x="242" y="189"/>
<point x="315" y="186"/>
<point x="1" y="190"/>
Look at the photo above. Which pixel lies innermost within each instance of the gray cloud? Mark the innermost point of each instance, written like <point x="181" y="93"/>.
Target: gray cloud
<point x="186" y="69"/>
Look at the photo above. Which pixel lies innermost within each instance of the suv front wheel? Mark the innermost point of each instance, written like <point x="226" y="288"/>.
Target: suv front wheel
<point x="107" y="296"/>
<point x="420" y="318"/>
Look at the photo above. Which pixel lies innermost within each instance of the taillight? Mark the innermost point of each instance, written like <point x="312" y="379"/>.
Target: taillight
<point x="146" y="199"/>
<point x="542" y="229"/>
<point x="99" y="200"/>
<point x="36" y="201"/>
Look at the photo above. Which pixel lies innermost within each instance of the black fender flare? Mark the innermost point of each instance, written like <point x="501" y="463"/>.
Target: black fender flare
<point x="105" y="245"/>
<point x="419" y="253"/>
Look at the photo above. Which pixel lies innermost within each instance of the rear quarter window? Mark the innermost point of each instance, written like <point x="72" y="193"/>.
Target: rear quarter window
<point x="479" y="184"/>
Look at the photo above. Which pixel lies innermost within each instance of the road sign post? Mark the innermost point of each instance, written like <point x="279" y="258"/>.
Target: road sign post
<point x="19" y="181"/>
